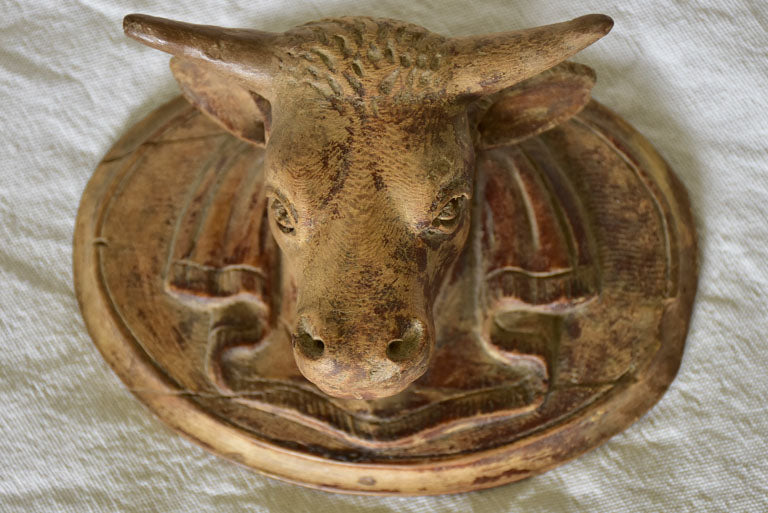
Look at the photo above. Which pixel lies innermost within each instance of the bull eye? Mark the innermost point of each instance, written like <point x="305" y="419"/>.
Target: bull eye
<point x="281" y="216"/>
<point x="450" y="213"/>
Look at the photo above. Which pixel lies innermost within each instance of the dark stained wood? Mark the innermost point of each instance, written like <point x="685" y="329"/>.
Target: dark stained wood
<point x="286" y="280"/>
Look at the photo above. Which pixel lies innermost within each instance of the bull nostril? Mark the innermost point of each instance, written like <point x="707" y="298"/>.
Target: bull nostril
<point x="310" y="347"/>
<point x="399" y="350"/>
<point x="404" y="349"/>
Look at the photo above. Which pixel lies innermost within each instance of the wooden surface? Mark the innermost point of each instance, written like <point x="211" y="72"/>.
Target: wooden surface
<point x="567" y="347"/>
<point x="369" y="128"/>
<point x="369" y="258"/>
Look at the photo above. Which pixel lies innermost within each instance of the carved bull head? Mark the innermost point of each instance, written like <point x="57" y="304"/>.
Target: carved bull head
<point x="370" y="129"/>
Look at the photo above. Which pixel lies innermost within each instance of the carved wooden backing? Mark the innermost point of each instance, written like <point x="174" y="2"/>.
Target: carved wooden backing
<point x="181" y="289"/>
<point x="561" y="320"/>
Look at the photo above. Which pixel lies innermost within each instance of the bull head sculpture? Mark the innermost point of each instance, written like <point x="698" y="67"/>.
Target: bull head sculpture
<point x="370" y="128"/>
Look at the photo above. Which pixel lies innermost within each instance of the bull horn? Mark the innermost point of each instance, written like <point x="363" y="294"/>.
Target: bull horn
<point x="243" y="54"/>
<point x="486" y="64"/>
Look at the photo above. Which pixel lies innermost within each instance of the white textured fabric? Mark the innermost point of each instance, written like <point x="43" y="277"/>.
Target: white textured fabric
<point x="691" y="75"/>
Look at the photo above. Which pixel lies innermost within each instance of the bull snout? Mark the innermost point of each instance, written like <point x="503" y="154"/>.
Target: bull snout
<point x="357" y="362"/>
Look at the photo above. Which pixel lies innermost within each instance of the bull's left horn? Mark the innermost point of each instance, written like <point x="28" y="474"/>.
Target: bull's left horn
<point x="486" y="64"/>
<point x="243" y="54"/>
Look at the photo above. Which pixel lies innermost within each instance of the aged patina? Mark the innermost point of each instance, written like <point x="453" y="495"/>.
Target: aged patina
<point x="383" y="260"/>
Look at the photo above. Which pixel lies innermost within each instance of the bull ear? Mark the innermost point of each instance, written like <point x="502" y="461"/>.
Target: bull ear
<point x="533" y="106"/>
<point x="226" y="73"/>
<point x="229" y="103"/>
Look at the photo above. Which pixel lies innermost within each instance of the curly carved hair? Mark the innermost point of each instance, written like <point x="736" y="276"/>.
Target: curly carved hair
<point x="361" y="58"/>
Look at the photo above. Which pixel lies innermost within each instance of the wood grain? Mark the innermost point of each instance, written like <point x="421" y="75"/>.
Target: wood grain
<point x="290" y="304"/>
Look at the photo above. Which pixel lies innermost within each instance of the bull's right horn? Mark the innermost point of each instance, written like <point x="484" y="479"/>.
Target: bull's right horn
<point x="243" y="54"/>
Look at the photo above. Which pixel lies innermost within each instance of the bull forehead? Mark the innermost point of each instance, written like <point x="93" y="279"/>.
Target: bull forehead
<point x="323" y="162"/>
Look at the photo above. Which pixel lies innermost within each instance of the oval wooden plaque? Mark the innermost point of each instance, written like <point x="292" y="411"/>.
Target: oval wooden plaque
<point x="193" y="327"/>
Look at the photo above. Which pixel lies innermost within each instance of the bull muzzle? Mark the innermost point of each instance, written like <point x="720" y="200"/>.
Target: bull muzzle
<point x="361" y="359"/>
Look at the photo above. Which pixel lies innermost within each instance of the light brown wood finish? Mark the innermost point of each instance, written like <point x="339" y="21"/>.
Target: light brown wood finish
<point x="289" y="282"/>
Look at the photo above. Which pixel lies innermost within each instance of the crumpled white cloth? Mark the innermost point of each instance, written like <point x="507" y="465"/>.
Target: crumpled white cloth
<point x="691" y="75"/>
